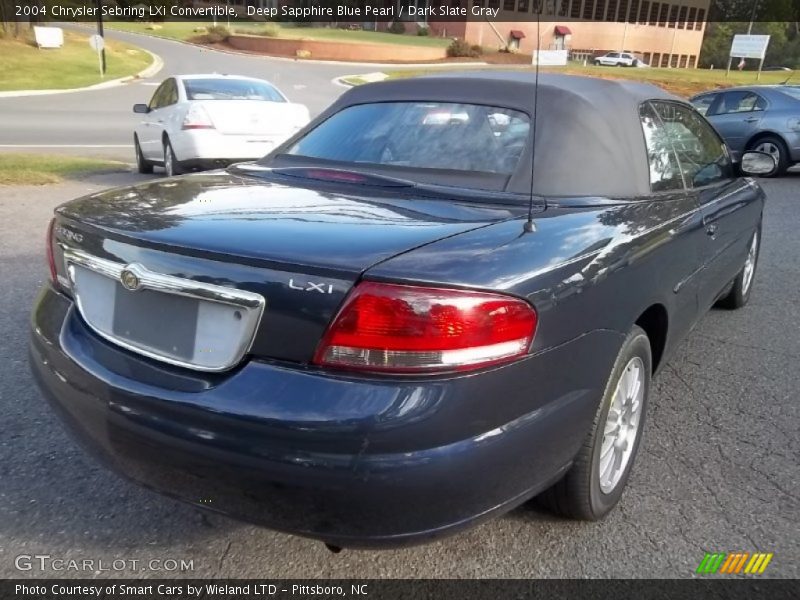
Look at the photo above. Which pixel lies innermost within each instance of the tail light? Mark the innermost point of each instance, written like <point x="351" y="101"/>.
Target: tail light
<point x="408" y="329"/>
<point x="197" y="118"/>
<point x="51" y="260"/>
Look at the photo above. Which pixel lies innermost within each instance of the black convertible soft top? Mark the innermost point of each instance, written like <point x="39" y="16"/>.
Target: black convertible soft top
<point x="589" y="139"/>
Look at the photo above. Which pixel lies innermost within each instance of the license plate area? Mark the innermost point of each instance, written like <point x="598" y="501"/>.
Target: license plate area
<point x="159" y="321"/>
<point x="175" y="320"/>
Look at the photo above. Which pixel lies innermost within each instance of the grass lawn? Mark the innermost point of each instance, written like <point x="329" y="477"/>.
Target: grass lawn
<point x="682" y="82"/>
<point x="41" y="169"/>
<point x="186" y="30"/>
<point x="25" y="67"/>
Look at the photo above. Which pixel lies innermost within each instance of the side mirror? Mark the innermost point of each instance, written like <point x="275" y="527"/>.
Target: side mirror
<point x="141" y="108"/>
<point x="758" y="163"/>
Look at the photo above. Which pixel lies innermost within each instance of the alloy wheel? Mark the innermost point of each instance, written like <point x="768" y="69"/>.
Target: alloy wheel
<point x="771" y="149"/>
<point x="622" y="425"/>
<point x="750" y="265"/>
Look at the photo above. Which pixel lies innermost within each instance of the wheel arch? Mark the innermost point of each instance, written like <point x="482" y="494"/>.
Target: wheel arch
<point x="655" y="322"/>
<point x="764" y="134"/>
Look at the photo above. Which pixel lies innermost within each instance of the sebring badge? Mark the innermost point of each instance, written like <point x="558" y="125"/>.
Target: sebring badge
<point x="129" y="280"/>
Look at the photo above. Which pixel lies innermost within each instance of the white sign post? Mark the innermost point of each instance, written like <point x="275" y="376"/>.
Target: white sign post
<point x="98" y="43"/>
<point x="48" y="37"/>
<point x="549" y="58"/>
<point x="749" y="46"/>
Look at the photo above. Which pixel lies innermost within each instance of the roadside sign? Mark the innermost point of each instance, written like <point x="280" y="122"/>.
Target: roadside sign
<point x="48" y="37"/>
<point x="97" y="42"/>
<point x="749" y="46"/>
<point x="549" y="57"/>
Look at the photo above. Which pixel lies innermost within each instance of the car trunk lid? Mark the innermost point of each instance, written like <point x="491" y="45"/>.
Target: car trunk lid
<point x="255" y="117"/>
<point x="300" y="248"/>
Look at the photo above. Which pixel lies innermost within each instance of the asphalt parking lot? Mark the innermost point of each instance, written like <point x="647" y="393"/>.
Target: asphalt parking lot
<point x="718" y="472"/>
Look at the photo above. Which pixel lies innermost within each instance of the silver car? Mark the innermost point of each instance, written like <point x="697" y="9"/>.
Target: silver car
<point x="760" y="117"/>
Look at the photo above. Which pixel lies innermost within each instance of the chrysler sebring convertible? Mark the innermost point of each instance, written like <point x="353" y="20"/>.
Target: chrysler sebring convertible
<point x="442" y="297"/>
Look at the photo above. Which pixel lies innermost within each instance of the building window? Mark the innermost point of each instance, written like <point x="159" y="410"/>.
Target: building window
<point x="509" y="5"/>
<point x="575" y="9"/>
<point x="673" y="16"/>
<point x="692" y="17"/>
<point x="701" y="17"/>
<point x="682" y="18"/>
<point x="493" y="3"/>
<point x="673" y="61"/>
<point x="656" y="62"/>
<point x="588" y="5"/>
<point x="654" y="14"/>
<point x="622" y="16"/>
<point x="664" y="61"/>
<point x="522" y="5"/>
<point x="599" y="10"/>
<point x="563" y="8"/>
<point x="684" y="61"/>
<point x="644" y="12"/>
<point x="611" y="13"/>
<point x="692" y="61"/>
<point x="663" y="16"/>
<point x="633" y="14"/>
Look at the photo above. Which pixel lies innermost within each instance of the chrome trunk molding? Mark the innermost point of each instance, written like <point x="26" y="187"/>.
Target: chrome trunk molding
<point x="167" y="284"/>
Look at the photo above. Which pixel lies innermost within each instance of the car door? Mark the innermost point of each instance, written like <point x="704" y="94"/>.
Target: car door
<point x="728" y="204"/>
<point x="736" y="116"/>
<point x="156" y="121"/>
<point x="686" y="234"/>
<point x="145" y="131"/>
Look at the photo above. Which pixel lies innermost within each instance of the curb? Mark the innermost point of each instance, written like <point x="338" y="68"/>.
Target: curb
<point x="310" y="61"/>
<point x="149" y="71"/>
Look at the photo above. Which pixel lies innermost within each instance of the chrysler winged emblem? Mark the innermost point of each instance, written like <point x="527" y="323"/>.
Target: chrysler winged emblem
<point x="129" y="280"/>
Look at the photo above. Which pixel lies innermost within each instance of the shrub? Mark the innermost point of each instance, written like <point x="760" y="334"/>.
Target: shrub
<point x="397" y="27"/>
<point x="423" y="31"/>
<point x="460" y="48"/>
<point x="268" y="30"/>
<point x="217" y="34"/>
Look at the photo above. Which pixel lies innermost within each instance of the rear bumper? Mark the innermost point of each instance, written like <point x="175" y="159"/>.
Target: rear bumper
<point x="210" y="145"/>
<point x="353" y="462"/>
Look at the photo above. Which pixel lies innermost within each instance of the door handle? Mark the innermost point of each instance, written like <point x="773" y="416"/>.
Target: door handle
<point x="751" y="120"/>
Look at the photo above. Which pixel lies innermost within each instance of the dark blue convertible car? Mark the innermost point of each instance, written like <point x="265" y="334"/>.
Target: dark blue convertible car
<point x="443" y="297"/>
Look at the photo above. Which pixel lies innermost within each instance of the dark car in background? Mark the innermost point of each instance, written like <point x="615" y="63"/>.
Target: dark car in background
<point x="765" y="118"/>
<point x="427" y="307"/>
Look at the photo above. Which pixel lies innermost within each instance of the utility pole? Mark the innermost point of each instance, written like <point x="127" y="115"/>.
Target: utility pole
<point x="99" y="5"/>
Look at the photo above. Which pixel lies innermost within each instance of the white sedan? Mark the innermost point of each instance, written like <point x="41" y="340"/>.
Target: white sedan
<point x="210" y="121"/>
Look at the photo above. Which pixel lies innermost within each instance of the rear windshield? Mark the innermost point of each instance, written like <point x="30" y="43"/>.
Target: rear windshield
<point x="421" y="135"/>
<point x="230" y="89"/>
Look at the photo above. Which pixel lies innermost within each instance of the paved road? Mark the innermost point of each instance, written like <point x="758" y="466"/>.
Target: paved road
<point x="83" y="120"/>
<point x="718" y="472"/>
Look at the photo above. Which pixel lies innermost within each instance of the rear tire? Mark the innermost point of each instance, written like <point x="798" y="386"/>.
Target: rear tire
<point x="775" y="146"/>
<point x="172" y="165"/>
<point x="142" y="165"/>
<point x="597" y="63"/>
<point x="597" y="478"/>
<point x="743" y="283"/>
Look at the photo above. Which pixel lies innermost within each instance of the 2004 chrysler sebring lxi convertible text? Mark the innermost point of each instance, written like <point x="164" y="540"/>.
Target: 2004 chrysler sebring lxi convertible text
<point x="377" y="334"/>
